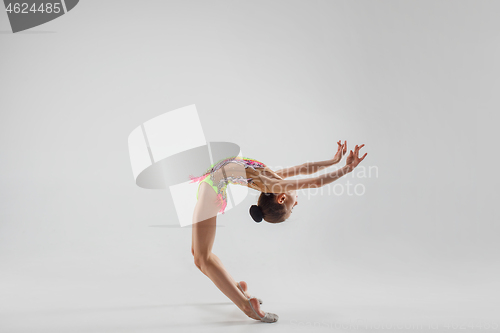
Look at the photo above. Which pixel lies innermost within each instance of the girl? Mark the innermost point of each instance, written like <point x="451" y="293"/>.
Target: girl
<point x="275" y="205"/>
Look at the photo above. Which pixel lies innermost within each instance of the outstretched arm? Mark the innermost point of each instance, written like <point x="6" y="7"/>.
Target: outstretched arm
<point x="313" y="167"/>
<point x="281" y="186"/>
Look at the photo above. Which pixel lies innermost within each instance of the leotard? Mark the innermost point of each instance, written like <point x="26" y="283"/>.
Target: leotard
<point x="220" y="185"/>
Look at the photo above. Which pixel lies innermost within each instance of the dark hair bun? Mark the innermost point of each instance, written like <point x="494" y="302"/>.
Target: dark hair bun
<point x="256" y="213"/>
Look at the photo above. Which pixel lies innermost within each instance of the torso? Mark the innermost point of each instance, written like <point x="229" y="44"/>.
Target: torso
<point x="239" y="170"/>
<point x="235" y="172"/>
<point x="242" y="171"/>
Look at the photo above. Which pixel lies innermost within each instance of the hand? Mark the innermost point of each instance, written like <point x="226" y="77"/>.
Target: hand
<point x="342" y="149"/>
<point x="353" y="159"/>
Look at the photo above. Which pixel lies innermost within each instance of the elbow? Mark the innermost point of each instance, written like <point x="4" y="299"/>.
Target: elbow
<point x="303" y="169"/>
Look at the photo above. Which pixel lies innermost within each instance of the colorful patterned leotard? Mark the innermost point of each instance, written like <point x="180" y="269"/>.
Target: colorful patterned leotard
<point x="219" y="185"/>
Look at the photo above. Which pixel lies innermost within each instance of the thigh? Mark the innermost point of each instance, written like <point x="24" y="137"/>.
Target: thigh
<point x="204" y="221"/>
<point x="203" y="237"/>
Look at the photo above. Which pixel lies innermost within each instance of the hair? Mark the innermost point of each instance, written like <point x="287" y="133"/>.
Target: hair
<point x="268" y="209"/>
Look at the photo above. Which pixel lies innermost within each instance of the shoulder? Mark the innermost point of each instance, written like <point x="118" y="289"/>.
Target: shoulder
<point x="272" y="174"/>
<point x="264" y="179"/>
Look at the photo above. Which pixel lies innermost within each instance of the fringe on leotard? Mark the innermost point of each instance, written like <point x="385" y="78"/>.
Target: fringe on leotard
<point x="222" y="185"/>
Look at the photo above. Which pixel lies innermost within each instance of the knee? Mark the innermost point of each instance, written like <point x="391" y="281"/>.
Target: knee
<point x="200" y="260"/>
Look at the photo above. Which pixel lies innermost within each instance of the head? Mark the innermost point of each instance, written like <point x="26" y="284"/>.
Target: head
<point x="275" y="207"/>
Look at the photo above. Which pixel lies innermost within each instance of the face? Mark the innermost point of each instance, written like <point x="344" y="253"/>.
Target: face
<point x="289" y="199"/>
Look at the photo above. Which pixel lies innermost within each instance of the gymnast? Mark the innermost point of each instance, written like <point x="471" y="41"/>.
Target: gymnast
<point x="275" y="204"/>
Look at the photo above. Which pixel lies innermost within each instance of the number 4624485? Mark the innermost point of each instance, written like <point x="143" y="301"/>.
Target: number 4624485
<point x="22" y="8"/>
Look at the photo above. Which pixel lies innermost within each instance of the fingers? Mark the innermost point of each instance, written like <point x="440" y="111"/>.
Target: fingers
<point x="340" y="148"/>
<point x="356" y="153"/>
<point x="357" y="148"/>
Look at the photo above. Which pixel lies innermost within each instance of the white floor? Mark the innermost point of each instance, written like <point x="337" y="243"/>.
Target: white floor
<point x="151" y="289"/>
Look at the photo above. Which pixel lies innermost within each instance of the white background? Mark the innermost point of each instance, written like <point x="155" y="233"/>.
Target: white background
<point x="83" y="249"/>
